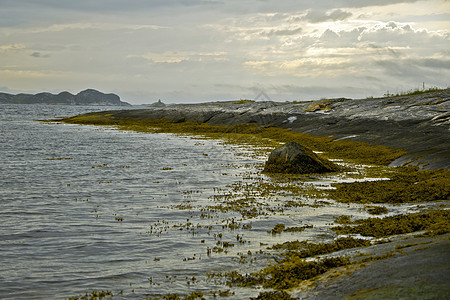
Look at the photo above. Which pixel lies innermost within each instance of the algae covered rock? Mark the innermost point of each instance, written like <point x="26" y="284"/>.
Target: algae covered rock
<point x="293" y="158"/>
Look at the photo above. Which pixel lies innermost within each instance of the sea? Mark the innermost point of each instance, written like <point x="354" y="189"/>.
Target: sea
<point x="87" y="208"/>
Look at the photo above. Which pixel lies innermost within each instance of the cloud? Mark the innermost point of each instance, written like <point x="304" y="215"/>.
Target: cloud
<point x="177" y="57"/>
<point x="436" y="64"/>
<point x="39" y="55"/>
<point x="379" y="49"/>
<point x="315" y="16"/>
<point x="5" y="89"/>
<point x="103" y="26"/>
<point x="12" y="47"/>
<point x="282" y="32"/>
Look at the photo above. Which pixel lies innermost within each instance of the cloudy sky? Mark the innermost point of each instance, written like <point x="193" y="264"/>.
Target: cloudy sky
<point x="204" y="50"/>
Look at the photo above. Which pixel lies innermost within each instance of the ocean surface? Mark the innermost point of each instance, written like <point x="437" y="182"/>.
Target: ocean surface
<point x="88" y="208"/>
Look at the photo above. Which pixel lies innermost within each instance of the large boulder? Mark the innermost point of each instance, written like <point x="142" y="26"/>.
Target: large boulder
<point x="293" y="158"/>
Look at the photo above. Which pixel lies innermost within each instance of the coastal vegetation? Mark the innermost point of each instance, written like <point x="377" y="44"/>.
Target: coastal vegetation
<point x="412" y="92"/>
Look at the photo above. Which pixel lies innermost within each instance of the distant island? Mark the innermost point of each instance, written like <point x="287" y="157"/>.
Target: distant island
<point x="86" y="97"/>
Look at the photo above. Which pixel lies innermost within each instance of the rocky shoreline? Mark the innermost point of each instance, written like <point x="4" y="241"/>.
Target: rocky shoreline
<point x="408" y="264"/>
<point x="418" y="123"/>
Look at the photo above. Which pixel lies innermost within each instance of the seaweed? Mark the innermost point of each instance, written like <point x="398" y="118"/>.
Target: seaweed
<point x="377" y="210"/>
<point x="273" y="295"/>
<point x="407" y="184"/>
<point x="433" y="221"/>
<point x="94" y="295"/>
<point x="288" y="274"/>
<point x="277" y="229"/>
<point x="310" y="249"/>
<point x="292" y="272"/>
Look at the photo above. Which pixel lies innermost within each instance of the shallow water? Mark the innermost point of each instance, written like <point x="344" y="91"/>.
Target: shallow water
<point x="86" y="208"/>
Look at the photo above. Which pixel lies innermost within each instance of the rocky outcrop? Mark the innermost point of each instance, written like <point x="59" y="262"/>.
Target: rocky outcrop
<point x="293" y="158"/>
<point x="86" y="97"/>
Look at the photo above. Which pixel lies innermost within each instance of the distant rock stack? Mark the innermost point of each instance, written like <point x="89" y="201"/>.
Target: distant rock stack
<point x="158" y="104"/>
<point x="293" y="158"/>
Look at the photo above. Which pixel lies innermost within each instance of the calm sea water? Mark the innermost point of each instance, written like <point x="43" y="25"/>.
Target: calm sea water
<point x="86" y="208"/>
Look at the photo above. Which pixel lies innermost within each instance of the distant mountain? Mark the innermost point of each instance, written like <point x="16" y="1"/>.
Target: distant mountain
<point x="86" y="97"/>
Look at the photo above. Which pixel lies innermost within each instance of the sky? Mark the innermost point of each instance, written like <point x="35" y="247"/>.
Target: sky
<point x="190" y="51"/>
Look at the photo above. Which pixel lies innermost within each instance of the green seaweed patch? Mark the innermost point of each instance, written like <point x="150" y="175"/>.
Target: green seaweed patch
<point x="297" y="228"/>
<point x="344" y="219"/>
<point x="377" y="210"/>
<point x="435" y="222"/>
<point x="293" y="268"/>
<point x="292" y="272"/>
<point x="101" y="118"/>
<point x="305" y="249"/>
<point x="288" y="274"/>
<point x="243" y="101"/>
<point x="273" y="295"/>
<point x="317" y="107"/>
<point x="191" y="296"/>
<point x="278" y="228"/>
<point x="94" y="295"/>
<point x="406" y="185"/>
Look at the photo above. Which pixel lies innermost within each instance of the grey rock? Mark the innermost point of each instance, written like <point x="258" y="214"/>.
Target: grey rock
<point x="293" y="158"/>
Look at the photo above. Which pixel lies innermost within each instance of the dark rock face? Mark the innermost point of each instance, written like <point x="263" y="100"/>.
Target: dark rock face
<point x="293" y="158"/>
<point x="86" y="97"/>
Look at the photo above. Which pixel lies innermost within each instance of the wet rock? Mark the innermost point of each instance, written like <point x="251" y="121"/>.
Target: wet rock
<point x="293" y="158"/>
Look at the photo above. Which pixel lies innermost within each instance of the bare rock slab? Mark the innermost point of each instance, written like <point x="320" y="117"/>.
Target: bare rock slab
<point x="293" y="158"/>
